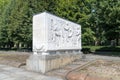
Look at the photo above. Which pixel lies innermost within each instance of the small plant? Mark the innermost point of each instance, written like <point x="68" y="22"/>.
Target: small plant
<point x="86" y="50"/>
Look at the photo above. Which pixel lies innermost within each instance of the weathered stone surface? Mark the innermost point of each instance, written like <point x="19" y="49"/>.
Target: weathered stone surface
<point x="52" y="33"/>
<point x="56" y="42"/>
<point x="45" y="63"/>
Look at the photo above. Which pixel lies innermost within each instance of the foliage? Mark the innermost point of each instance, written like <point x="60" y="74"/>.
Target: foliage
<point x="100" y="20"/>
<point x="88" y="37"/>
<point x="16" y="23"/>
<point x="86" y="50"/>
<point x="102" y="48"/>
<point x="93" y="48"/>
<point x="109" y="49"/>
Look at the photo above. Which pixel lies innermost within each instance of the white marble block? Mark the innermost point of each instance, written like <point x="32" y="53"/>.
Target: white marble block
<point x="52" y="33"/>
<point x="54" y="40"/>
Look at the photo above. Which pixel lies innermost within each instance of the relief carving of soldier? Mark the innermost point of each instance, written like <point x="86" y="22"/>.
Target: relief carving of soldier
<point x="56" y="32"/>
<point x="77" y="35"/>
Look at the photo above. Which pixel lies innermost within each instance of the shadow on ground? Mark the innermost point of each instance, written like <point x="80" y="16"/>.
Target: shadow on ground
<point x="107" y="51"/>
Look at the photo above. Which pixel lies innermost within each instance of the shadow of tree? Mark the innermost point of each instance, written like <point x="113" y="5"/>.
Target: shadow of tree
<point x="109" y="51"/>
<point x="86" y="50"/>
<point x="15" y="49"/>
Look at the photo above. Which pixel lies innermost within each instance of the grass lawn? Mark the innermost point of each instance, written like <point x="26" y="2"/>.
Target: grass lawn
<point x="94" y="48"/>
<point x="103" y="50"/>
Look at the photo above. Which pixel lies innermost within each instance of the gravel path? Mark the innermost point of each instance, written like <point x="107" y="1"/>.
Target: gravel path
<point x="93" y="57"/>
<point x="80" y="64"/>
<point x="18" y="74"/>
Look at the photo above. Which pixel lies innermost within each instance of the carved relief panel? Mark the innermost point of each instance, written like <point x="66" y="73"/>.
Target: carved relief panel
<point x="63" y="34"/>
<point x="54" y="33"/>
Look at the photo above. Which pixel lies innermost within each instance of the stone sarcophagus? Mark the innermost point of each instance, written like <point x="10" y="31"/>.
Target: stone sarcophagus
<point x="56" y="42"/>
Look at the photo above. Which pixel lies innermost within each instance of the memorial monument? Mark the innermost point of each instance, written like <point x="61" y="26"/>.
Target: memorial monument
<point x="56" y="43"/>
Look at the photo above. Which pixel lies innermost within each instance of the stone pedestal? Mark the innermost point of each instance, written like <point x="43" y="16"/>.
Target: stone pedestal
<point x="56" y="42"/>
<point x="45" y="63"/>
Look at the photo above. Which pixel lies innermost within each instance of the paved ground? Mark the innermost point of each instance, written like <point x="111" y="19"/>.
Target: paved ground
<point x="65" y="70"/>
<point x="79" y="64"/>
<point x="12" y="73"/>
<point x="93" y="57"/>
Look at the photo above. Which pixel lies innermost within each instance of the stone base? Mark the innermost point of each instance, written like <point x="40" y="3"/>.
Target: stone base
<point x="45" y="63"/>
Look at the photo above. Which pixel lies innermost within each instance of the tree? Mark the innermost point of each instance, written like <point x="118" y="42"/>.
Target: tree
<point x="112" y="17"/>
<point x="100" y="19"/>
<point x="16" y="29"/>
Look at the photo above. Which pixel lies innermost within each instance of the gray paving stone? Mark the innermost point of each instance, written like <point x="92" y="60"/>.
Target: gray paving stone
<point x="11" y="73"/>
<point x="2" y="66"/>
<point x="9" y="78"/>
<point x="12" y="69"/>
<point x="61" y="71"/>
<point x="24" y="78"/>
<point x="3" y="76"/>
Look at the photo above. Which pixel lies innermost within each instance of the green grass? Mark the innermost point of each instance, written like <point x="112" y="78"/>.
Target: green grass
<point x="94" y="48"/>
<point x="103" y="50"/>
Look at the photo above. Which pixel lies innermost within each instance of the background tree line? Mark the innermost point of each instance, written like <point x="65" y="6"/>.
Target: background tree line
<point x="100" y="20"/>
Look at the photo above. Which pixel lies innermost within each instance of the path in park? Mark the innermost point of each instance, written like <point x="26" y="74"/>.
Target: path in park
<point x="79" y="64"/>
<point x="93" y="57"/>
<point x="63" y="72"/>
<point x="12" y="73"/>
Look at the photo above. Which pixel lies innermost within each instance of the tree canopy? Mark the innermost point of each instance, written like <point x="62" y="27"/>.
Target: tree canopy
<point x="100" y="20"/>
